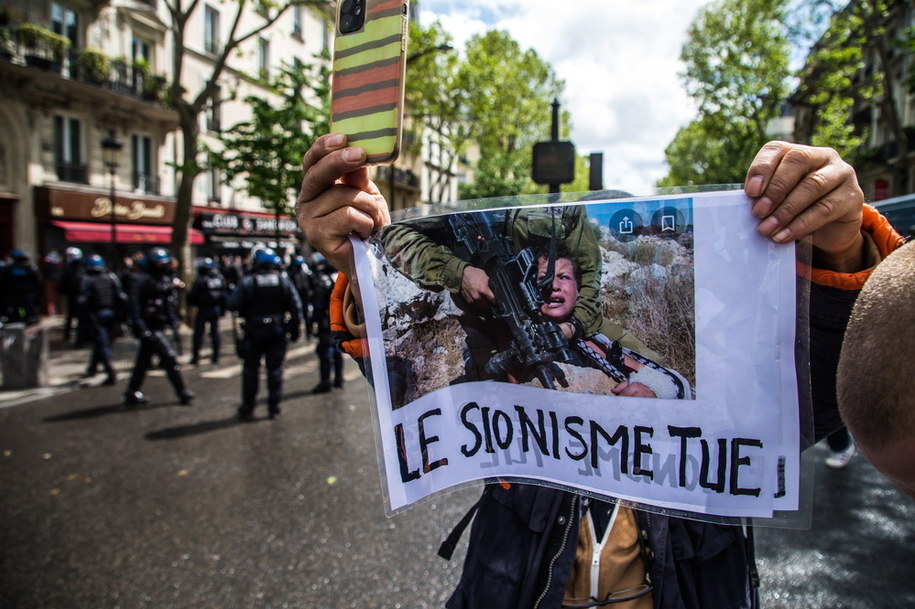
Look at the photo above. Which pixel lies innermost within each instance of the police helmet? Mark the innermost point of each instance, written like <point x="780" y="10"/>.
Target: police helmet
<point x="94" y="262"/>
<point x="317" y="259"/>
<point x="18" y="255"/>
<point x="74" y="253"/>
<point x="267" y="259"/>
<point x="158" y="257"/>
<point x="297" y="261"/>
<point x="206" y="263"/>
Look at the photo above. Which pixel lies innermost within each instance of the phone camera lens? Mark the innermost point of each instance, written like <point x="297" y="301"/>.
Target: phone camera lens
<point x="358" y="11"/>
<point x="346" y="23"/>
<point x="347" y="6"/>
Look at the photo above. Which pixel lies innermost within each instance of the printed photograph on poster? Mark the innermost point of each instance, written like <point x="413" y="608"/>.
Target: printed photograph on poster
<point x="638" y="348"/>
<point x="594" y="299"/>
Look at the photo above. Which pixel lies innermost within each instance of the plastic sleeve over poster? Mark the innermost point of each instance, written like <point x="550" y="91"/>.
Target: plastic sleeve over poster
<point x="639" y="348"/>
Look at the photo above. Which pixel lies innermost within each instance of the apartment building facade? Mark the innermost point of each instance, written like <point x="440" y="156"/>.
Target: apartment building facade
<point x="75" y="73"/>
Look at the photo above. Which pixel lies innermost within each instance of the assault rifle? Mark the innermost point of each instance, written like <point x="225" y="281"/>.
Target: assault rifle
<point x="535" y="343"/>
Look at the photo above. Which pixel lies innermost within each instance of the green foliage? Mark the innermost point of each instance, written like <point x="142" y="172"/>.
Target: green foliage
<point x="736" y="58"/>
<point x="37" y="36"/>
<point x="835" y="82"/>
<point x="264" y="154"/>
<point x="507" y="94"/>
<point x="94" y="65"/>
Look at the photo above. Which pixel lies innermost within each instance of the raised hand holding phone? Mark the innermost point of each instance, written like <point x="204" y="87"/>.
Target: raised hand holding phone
<point x="368" y="76"/>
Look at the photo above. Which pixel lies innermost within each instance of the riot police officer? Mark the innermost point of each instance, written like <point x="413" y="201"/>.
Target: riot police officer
<point x="208" y="293"/>
<point x="102" y="303"/>
<point x="150" y="315"/>
<point x="301" y="277"/>
<point x="272" y="313"/>
<point x="70" y="280"/>
<point x="329" y="356"/>
<point x="20" y="289"/>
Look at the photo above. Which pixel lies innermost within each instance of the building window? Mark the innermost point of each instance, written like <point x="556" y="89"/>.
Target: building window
<point x="141" y="49"/>
<point x="297" y="21"/>
<point x="263" y="57"/>
<point x="68" y="150"/>
<point x="65" y="21"/>
<point x="143" y="163"/>
<point x="211" y="30"/>
<point x="214" y="112"/>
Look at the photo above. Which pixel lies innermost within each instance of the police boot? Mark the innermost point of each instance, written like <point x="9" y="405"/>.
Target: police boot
<point x="112" y="377"/>
<point x="184" y="394"/>
<point x="134" y="398"/>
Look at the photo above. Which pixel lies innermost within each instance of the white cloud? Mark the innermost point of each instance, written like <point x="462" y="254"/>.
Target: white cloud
<point x="620" y="62"/>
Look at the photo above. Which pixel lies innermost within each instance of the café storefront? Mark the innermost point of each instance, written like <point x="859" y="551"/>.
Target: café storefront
<point x="231" y="232"/>
<point x="85" y="219"/>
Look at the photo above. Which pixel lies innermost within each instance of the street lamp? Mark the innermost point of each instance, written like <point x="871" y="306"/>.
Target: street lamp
<point x="111" y="149"/>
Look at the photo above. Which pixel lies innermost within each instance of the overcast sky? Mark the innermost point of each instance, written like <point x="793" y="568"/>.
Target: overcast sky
<point x="619" y="60"/>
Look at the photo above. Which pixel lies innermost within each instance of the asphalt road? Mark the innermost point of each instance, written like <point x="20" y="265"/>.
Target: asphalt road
<point x="165" y="506"/>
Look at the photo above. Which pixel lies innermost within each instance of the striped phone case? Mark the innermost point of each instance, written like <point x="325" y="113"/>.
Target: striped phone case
<point x="368" y="81"/>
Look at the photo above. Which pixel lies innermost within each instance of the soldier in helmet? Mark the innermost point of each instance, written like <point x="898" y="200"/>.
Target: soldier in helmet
<point x="20" y="289"/>
<point x="102" y="303"/>
<point x="208" y="293"/>
<point x="150" y="315"/>
<point x="269" y="305"/>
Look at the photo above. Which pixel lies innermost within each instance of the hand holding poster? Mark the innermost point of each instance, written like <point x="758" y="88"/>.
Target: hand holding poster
<point x="638" y="348"/>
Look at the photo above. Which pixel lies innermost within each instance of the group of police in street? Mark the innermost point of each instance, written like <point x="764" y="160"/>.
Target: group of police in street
<point x="269" y="305"/>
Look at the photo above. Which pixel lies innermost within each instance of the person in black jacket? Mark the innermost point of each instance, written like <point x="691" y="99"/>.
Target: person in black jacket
<point x="70" y="280"/>
<point x="329" y="356"/>
<point x="302" y="278"/>
<point x="102" y="305"/>
<point x="522" y="548"/>
<point x="151" y="313"/>
<point x="272" y="314"/>
<point x="208" y="293"/>
<point x="20" y="289"/>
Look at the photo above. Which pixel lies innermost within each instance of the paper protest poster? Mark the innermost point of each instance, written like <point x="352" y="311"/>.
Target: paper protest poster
<point x="674" y="386"/>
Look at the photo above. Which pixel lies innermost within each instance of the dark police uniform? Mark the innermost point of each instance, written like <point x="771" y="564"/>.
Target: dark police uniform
<point x="102" y="304"/>
<point x="20" y="289"/>
<point x="151" y="313"/>
<point x="208" y="293"/>
<point x="301" y="277"/>
<point x="270" y="307"/>
<point x="329" y="355"/>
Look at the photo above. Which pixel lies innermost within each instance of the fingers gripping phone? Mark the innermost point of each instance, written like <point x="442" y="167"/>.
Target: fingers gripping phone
<point x="368" y="76"/>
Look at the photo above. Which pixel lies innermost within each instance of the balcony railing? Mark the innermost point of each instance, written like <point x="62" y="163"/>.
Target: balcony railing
<point x="146" y="183"/>
<point x="82" y="64"/>
<point x="72" y="172"/>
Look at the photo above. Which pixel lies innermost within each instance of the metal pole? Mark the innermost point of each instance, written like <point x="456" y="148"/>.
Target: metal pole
<point x="554" y="136"/>
<point x="114" y="219"/>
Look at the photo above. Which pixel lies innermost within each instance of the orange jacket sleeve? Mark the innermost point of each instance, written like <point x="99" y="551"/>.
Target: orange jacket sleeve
<point x="342" y="317"/>
<point x="882" y="236"/>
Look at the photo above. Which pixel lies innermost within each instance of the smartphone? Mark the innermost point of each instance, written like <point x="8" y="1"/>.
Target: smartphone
<point x="369" y="66"/>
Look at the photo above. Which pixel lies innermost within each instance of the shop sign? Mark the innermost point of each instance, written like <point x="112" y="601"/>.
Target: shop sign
<point x="89" y="206"/>
<point x="244" y="224"/>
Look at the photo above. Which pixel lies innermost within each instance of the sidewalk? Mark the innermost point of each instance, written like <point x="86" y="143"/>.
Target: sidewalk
<point x="67" y="365"/>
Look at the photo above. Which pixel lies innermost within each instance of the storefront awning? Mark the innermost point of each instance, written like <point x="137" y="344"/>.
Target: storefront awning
<point x="98" y="232"/>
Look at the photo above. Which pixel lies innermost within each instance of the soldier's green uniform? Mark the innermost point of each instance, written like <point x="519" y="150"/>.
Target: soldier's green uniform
<point x="430" y="261"/>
